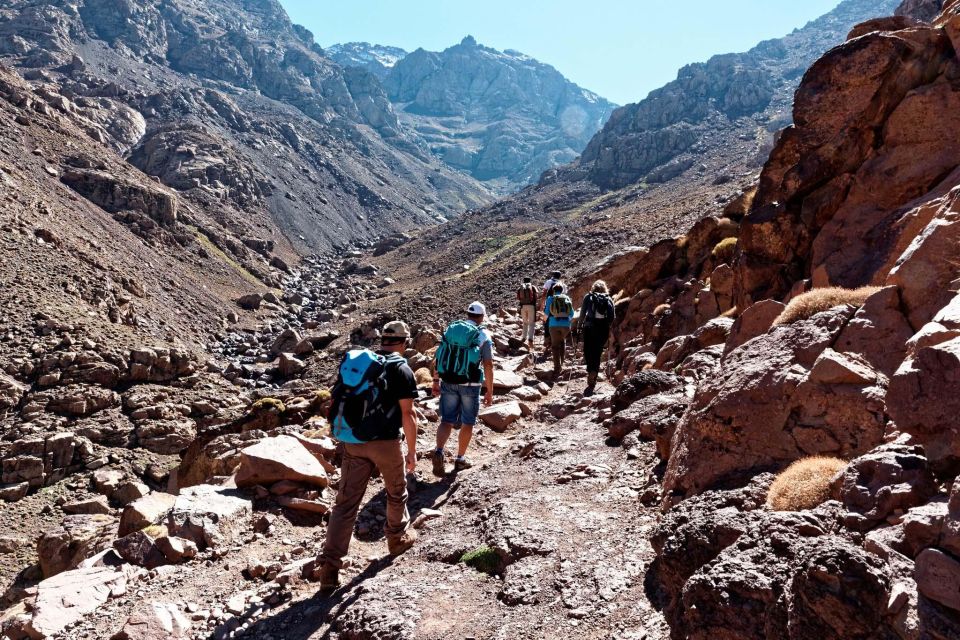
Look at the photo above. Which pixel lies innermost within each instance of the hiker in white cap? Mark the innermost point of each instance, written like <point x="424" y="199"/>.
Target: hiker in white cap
<point x="464" y="366"/>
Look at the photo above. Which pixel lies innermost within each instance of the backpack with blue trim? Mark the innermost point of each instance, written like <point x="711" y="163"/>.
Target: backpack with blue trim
<point x="357" y="413"/>
<point x="561" y="306"/>
<point x="458" y="357"/>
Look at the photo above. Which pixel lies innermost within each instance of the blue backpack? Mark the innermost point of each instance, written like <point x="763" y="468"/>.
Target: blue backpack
<point x="357" y="413"/>
<point x="458" y="357"/>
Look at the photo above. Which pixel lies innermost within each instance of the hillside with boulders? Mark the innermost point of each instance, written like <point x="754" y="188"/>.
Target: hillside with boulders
<point x="772" y="452"/>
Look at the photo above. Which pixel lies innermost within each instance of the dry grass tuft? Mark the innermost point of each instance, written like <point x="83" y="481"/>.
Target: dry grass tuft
<point x="804" y="484"/>
<point x="808" y="304"/>
<point x="724" y="250"/>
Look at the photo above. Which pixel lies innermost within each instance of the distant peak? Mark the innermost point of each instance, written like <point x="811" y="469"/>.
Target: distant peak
<point x="469" y="41"/>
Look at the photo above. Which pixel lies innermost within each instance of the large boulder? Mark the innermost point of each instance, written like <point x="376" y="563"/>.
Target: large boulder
<point x="279" y="458"/>
<point x="145" y="511"/>
<point x="923" y="401"/>
<point x="155" y="621"/>
<point x="500" y="416"/>
<point x="78" y="537"/>
<point x="785" y="395"/>
<point x="209" y="516"/>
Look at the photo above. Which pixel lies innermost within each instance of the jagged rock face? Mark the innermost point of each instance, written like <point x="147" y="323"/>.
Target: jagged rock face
<point x="660" y="136"/>
<point x="501" y="116"/>
<point x="375" y="58"/>
<point x="869" y="163"/>
<point x="230" y="101"/>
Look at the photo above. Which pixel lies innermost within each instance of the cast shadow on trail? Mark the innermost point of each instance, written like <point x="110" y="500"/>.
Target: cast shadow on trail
<point x="304" y="619"/>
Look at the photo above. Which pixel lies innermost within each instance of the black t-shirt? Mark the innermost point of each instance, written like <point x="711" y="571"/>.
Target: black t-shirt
<point x="401" y="385"/>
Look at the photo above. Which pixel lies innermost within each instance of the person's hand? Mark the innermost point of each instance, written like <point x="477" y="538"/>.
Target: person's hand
<point x="411" y="461"/>
<point x="488" y="398"/>
<point x="436" y="388"/>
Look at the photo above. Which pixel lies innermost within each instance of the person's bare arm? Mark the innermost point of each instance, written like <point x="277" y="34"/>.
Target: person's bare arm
<point x="488" y="378"/>
<point x="410" y="432"/>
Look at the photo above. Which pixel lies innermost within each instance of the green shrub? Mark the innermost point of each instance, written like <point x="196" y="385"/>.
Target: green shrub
<point x="806" y="305"/>
<point x="483" y="559"/>
<point x="724" y="250"/>
<point x="804" y="484"/>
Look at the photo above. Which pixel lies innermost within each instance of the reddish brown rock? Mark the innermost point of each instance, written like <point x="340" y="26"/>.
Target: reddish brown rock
<point x="938" y="577"/>
<point x="500" y="416"/>
<point x="878" y="331"/>
<point x="754" y="321"/>
<point x="279" y="458"/>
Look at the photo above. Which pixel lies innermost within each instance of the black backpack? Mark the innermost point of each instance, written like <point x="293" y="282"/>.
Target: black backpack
<point x="598" y="309"/>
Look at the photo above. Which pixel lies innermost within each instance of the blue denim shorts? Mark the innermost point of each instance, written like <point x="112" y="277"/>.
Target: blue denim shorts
<point x="459" y="404"/>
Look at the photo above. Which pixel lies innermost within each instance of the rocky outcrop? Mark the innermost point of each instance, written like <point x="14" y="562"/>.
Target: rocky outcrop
<point x="374" y="58"/>
<point x="503" y="117"/>
<point x="680" y="121"/>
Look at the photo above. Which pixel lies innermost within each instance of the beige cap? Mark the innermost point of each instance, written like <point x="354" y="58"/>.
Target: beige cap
<point x="395" y="329"/>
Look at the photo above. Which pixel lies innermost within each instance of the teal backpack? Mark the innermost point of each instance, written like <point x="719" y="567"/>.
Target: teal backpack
<point x="357" y="412"/>
<point x="458" y="357"/>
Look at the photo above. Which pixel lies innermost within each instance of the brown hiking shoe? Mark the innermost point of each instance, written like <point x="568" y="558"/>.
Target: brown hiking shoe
<point x="401" y="543"/>
<point x="439" y="468"/>
<point x="462" y="463"/>
<point x="329" y="577"/>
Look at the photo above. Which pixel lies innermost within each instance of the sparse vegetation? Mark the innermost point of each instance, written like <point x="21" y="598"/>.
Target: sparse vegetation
<point x="483" y="559"/>
<point x="808" y="304"/>
<point x="724" y="250"/>
<point x="208" y="246"/>
<point x="269" y="404"/>
<point x="804" y="484"/>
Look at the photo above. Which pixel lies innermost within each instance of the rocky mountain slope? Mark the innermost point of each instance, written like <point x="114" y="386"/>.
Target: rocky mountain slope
<point x="501" y="116"/>
<point x="230" y="101"/>
<point x="378" y="59"/>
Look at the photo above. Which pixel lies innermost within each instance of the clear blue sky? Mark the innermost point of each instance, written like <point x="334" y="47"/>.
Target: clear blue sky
<point x="620" y="49"/>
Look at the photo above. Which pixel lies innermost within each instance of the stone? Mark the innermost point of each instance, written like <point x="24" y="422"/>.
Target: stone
<point x="302" y="504"/>
<point x="500" y="416"/>
<point x="78" y="537"/>
<point x="891" y="477"/>
<point x="96" y="504"/>
<point x="769" y="408"/>
<point x="106" y="481"/>
<point x="140" y="548"/>
<point x="641" y="385"/>
<point x="755" y="320"/>
<point x="155" y="621"/>
<point x="878" y="331"/>
<point x="285" y="342"/>
<point x="129" y="491"/>
<point x="143" y="512"/>
<point x="250" y="301"/>
<point x="210" y="516"/>
<point x="176" y="549"/>
<point x="654" y="417"/>
<point x="279" y="458"/>
<point x="289" y="365"/>
<point x="938" y="577"/>
<point x="506" y="380"/>
<point x="69" y="596"/>
<point x="923" y="402"/>
<point x="14" y="491"/>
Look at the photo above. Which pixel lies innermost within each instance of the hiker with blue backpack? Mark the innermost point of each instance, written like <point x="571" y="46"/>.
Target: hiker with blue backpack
<point x="559" y="311"/>
<point x="372" y="402"/>
<point x="597" y="314"/>
<point x="464" y="366"/>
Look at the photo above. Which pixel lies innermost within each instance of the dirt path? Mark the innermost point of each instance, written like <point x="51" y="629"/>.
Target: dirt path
<point x="575" y="549"/>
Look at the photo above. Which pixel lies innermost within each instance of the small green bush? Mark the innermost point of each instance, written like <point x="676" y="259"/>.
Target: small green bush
<point x="724" y="250"/>
<point x="483" y="559"/>
<point x="806" y="305"/>
<point x="805" y="484"/>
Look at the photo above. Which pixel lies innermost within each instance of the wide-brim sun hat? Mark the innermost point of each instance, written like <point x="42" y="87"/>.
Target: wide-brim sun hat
<point x="476" y="308"/>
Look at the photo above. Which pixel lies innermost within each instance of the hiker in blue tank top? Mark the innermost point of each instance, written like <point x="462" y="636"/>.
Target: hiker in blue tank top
<point x="559" y="311"/>
<point x="464" y="366"/>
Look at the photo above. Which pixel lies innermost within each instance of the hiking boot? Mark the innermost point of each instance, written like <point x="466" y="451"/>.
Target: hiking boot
<point x="588" y="392"/>
<point x="462" y="463"/>
<point x="401" y="543"/>
<point x="439" y="469"/>
<point x="329" y="577"/>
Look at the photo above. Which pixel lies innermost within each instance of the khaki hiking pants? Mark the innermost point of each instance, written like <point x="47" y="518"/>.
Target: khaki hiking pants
<point x="528" y="314"/>
<point x="358" y="463"/>
<point x="558" y="343"/>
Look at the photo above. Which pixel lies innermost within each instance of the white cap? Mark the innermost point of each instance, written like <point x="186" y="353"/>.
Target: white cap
<point x="477" y="309"/>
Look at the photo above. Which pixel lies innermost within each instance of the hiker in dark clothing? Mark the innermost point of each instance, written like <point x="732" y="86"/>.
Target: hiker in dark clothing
<point x="596" y="317"/>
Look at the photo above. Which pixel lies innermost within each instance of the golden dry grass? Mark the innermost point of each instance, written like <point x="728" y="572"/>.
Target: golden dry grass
<point x="724" y="250"/>
<point x="808" y="304"/>
<point x="804" y="484"/>
<point x="424" y="377"/>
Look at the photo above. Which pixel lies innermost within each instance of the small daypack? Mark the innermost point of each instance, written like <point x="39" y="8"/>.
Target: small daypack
<point x="357" y="413"/>
<point x="598" y="309"/>
<point x="526" y="294"/>
<point x="458" y="356"/>
<point x="561" y="306"/>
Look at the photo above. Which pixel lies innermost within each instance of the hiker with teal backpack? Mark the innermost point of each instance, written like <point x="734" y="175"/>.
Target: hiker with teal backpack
<point x="464" y="366"/>
<point x="559" y="311"/>
<point x="597" y="314"/>
<point x="372" y="402"/>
